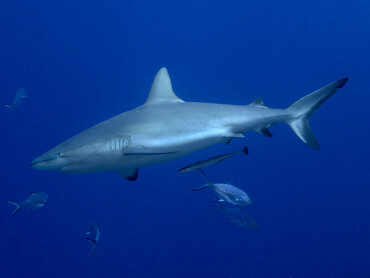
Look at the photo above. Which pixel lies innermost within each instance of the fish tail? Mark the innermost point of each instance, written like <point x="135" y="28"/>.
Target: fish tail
<point x="302" y="110"/>
<point x="17" y="206"/>
<point x="245" y="150"/>
<point x="8" y="105"/>
<point x="93" y="241"/>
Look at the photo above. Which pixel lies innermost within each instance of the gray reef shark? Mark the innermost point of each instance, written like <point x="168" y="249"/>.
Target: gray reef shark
<point x="165" y="128"/>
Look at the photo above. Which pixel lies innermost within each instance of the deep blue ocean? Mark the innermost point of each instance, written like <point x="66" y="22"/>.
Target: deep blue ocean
<point x="82" y="62"/>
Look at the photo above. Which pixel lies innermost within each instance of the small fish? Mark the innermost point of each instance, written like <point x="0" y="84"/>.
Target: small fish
<point x="34" y="201"/>
<point x="237" y="215"/>
<point x="94" y="236"/>
<point x="227" y="192"/>
<point x="211" y="161"/>
<point x="18" y="99"/>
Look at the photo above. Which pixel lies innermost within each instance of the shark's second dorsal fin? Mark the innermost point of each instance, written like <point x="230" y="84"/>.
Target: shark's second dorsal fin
<point x="161" y="90"/>
<point x="258" y="102"/>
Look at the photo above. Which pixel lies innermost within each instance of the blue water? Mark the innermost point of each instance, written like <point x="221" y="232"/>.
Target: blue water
<point x="82" y="62"/>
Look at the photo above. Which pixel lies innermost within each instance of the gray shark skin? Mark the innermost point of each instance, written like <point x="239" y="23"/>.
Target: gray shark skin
<point x="34" y="201"/>
<point x="165" y="128"/>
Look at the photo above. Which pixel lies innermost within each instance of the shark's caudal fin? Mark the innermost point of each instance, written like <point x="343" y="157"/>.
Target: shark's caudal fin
<point x="17" y="206"/>
<point x="302" y="110"/>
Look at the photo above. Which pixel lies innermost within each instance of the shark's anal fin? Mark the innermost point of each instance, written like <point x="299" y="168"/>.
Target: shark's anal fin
<point x="129" y="173"/>
<point x="265" y="132"/>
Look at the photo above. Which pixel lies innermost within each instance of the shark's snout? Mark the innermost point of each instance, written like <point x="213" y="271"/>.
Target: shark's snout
<point x="48" y="162"/>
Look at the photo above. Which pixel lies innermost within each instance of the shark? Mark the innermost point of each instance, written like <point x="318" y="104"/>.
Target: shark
<point x="166" y="127"/>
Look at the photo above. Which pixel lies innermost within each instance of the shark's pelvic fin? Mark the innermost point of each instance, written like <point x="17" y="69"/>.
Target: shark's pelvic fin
<point x="161" y="89"/>
<point x="265" y="132"/>
<point x="129" y="174"/>
<point x="302" y="110"/>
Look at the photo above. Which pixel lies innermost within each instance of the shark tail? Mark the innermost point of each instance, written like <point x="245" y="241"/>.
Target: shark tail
<point x="302" y="110"/>
<point x="17" y="206"/>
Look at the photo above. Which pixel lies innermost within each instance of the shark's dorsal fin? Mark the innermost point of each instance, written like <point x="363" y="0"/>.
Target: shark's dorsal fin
<point x="161" y="90"/>
<point x="258" y="102"/>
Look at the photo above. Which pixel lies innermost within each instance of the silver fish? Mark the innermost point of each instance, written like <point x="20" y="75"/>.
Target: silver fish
<point x="34" y="201"/>
<point x="227" y="192"/>
<point x="18" y="99"/>
<point x="211" y="161"/>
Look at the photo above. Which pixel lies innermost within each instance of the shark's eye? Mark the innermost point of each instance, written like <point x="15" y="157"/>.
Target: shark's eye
<point x="60" y="155"/>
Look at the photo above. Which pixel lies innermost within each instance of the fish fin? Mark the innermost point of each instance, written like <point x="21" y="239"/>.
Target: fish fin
<point x="302" y="110"/>
<point x="258" y="102"/>
<point x="219" y="201"/>
<point x="161" y="90"/>
<point x="17" y="206"/>
<point x="234" y="135"/>
<point x="93" y="241"/>
<point x="205" y="176"/>
<point x="8" y="105"/>
<point x="184" y="169"/>
<point x="91" y="251"/>
<point x="227" y="141"/>
<point x="130" y="174"/>
<point x="265" y="132"/>
<point x="147" y="151"/>
<point x="201" y="187"/>
<point x="245" y="150"/>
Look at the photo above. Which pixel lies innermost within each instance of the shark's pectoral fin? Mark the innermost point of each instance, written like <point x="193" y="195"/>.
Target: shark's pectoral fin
<point x="265" y="132"/>
<point x="130" y="174"/>
<point x="230" y="136"/>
